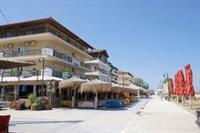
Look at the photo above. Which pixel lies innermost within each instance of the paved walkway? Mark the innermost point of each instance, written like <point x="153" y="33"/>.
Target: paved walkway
<point x="162" y="117"/>
<point x="146" y="116"/>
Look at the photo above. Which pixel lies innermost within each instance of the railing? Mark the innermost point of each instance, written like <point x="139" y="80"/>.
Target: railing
<point x="15" y="53"/>
<point x="65" y="57"/>
<point x="38" y="30"/>
<point x="30" y="73"/>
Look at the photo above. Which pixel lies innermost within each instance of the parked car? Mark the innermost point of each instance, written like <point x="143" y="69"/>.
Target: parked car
<point x="114" y="104"/>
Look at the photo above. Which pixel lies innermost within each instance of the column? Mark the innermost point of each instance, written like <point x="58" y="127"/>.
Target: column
<point x="96" y="101"/>
<point x="138" y="93"/>
<point x="34" y="90"/>
<point x="73" y="99"/>
<point x="2" y="92"/>
<point x="16" y="92"/>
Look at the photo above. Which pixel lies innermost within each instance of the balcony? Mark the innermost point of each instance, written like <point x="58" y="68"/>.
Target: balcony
<point x="39" y="30"/>
<point x="30" y="73"/>
<point x="45" y="51"/>
<point x="98" y="63"/>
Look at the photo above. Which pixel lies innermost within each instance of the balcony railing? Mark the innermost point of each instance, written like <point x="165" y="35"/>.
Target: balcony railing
<point x="46" y="51"/>
<point x="29" y="73"/>
<point x="42" y="29"/>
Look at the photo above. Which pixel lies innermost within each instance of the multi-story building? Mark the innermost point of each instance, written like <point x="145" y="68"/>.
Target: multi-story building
<point x="125" y="78"/>
<point x="113" y="73"/>
<point x="99" y="65"/>
<point x="55" y="50"/>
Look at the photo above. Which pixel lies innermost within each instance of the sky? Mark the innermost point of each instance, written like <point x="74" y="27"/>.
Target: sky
<point x="145" y="37"/>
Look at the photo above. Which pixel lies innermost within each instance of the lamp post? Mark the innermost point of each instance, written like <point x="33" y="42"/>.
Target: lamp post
<point x="166" y="77"/>
<point x="42" y="87"/>
<point x="34" y="70"/>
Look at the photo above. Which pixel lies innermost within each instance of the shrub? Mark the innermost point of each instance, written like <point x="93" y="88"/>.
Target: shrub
<point x="32" y="98"/>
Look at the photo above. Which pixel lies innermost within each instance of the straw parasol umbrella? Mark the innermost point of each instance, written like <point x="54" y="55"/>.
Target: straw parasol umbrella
<point x="73" y="83"/>
<point x="96" y="86"/>
<point x="116" y="88"/>
<point x="135" y="89"/>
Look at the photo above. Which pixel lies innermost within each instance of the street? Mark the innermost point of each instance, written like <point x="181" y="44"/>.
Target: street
<point x="146" y="116"/>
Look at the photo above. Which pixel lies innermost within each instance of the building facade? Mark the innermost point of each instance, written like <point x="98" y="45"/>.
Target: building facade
<point x="113" y="73"/>
<point x="125" y="78"/>
<point x="99" y="65"/>
<point x="53" y="49"/>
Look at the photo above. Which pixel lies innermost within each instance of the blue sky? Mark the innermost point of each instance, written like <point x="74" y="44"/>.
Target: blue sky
<point x="145" y="37"/>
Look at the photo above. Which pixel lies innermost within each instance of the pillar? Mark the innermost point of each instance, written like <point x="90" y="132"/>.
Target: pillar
<point x="74" y="99"/>
<point x="117" y="96"/>
<point x="106" y="96"/>
<point x="16" y="92"/>
<point x="138" y="94"/>
<point x="2" y="93"/>
<point x="190" y="101"/>
<point x="96" y="101"/>
<point x="34" y="90"/>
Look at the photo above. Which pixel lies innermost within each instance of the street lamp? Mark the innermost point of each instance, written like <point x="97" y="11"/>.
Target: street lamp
<point x="34" y="70"/>
<point x="42" y="87"/>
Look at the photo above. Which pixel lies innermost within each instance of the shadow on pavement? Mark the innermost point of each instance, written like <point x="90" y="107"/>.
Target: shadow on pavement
<point x="14" y="123"/>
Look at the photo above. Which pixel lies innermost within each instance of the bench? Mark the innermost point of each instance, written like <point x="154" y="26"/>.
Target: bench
<point x="4" y="123"/>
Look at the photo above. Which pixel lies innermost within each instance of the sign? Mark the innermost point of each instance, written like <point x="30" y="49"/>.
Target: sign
<point x="66" y="75"/>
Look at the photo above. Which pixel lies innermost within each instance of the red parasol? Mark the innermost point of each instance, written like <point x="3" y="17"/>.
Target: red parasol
<point x="181" y="83"/>
<point x="189" y="81"/>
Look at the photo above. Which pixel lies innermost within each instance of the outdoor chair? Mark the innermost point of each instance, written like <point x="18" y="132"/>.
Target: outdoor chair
<point x="4" y="123"/>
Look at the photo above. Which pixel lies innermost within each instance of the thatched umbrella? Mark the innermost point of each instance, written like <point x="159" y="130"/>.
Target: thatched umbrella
<point x="96" y="86"/>
<point x="135" y="88"/>
<point x="73" y="83"/>
<point x="116" y="88"/>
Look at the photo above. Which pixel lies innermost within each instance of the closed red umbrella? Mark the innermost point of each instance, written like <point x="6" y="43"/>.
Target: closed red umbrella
<point x="189" y="81"/>
<point x="181" y="83"/>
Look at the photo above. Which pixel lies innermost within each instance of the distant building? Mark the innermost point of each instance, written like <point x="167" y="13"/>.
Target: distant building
<point x="99" y="65"/>
<point x="113" y="73"/>
<point x="125" y="78"/>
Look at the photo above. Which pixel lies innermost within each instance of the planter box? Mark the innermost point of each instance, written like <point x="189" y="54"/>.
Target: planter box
<point x="86" y="104"/>
<point x="66" y="103"/>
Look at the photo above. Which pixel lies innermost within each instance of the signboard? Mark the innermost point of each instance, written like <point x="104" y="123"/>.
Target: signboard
<point x="66" y="75"/>
<point x="166" y="88"/>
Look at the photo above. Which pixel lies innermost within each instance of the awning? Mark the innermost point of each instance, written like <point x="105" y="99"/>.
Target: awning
<point x="8" y="64"/>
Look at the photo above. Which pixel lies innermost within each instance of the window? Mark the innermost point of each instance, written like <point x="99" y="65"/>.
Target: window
<point x="25" y="91"/>
<point x="11" y="33"/>
<point x="39" y="30"/>
<point x="28" y="32"/>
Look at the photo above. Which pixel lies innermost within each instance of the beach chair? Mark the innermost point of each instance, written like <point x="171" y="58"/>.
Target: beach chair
<point x="4" y="123"/>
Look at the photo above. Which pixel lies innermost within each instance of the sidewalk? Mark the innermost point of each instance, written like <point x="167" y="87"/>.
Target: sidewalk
<point x="162" y="117"/>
